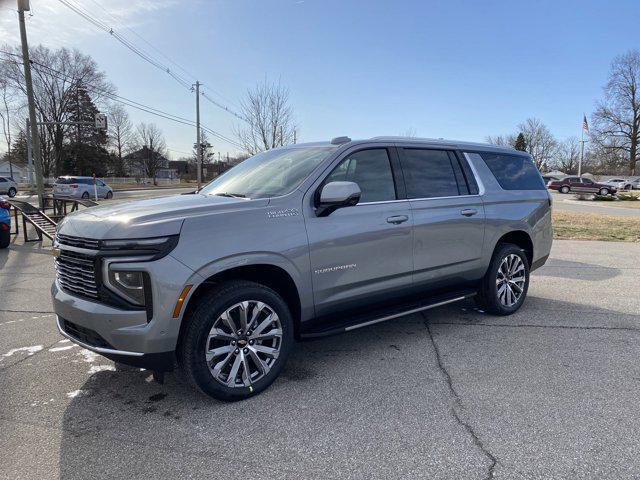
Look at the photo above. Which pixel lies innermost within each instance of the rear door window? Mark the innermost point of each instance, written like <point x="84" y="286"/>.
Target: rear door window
<point x="429" y="173"/>
<point x="513" y="172"/>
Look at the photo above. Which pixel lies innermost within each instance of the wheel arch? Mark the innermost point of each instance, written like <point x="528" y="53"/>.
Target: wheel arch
<point x="520" y="238"/>
<point x="267" y="274"/>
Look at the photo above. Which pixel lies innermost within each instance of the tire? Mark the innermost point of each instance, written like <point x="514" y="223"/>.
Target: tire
<point x="5" y="236"/>
<point x="628" y="187"/>
<point x="565" y="189"/>
<point x="12" y="192"/>
<point x="604" y="191"/>
<point x="85" y="195"/>
<point x="109" y="195"/>
<point x="489" y="297"/>
<point x="213" y="375"/>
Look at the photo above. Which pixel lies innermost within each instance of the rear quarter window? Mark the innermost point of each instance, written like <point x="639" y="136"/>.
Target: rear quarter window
<point x="513" y="172"/>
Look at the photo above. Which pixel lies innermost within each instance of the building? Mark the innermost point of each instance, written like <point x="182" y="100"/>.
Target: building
<point x="19" y="174"/>
<point x="135" y="162"/>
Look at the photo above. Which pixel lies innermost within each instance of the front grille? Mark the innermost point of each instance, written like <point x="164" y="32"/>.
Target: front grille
<point x="85" y="335"/>
<point x="79" y="242"/>
<point x="76" y="274"/>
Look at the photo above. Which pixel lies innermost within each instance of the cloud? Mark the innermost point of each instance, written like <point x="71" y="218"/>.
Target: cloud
<point x="53" y="24"/>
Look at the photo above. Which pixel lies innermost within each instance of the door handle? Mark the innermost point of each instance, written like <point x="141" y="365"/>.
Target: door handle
<point x="397" y="219"/>
<point x="468" y="212"/>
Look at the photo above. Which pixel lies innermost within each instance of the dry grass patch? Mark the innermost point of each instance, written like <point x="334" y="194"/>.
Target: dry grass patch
<point x="593" y="226"/>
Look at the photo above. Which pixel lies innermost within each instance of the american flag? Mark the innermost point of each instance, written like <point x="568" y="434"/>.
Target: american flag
<point x="585" y="125"/>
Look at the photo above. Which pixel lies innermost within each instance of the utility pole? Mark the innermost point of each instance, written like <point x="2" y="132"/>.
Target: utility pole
<point x="198" y="144"/>
<point x="295" y="136"/>
<point x="37" y="153"/>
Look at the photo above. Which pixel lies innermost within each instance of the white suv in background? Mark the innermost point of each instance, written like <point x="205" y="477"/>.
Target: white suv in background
<point x="8" y="186"/>
<point x="81" y="187"/>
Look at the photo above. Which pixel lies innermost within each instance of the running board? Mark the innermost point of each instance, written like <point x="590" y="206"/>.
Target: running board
<point x="384" y="318"/>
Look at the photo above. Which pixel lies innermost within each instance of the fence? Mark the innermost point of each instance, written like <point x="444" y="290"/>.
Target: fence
<point x="130" y="180"/>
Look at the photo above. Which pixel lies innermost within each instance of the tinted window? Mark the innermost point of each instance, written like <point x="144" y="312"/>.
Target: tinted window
<point x="514" y="172"/>
<point x="586" y="180"/>
<point x="2" y="179"/>
<point x="572" y="180"/>
<point x="371" y="170"/>
<point x="428" y="173"/>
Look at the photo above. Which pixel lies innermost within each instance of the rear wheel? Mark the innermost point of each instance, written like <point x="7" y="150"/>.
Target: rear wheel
<point x="85" y="195"/>
<point x="565" y="189"/>
<point x="12" y="192"/>
<point x="504" y="286"/>
<point x="604" y="191"/>
<point x="236" y="341"/>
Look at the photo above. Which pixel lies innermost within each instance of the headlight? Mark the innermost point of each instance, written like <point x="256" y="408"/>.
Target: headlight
<point x="156" y="247"/>
<point x="132" y="285"/>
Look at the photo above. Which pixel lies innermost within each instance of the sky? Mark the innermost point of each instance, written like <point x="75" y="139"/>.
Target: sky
<point x="452" y="69"/>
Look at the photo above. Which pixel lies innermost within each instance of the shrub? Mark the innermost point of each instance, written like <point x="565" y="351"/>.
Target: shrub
<point x="627" y="197"/>
<point x="605" y="198"/>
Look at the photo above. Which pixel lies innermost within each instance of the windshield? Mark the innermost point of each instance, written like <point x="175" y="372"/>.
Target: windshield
<point x="268" y="174"/>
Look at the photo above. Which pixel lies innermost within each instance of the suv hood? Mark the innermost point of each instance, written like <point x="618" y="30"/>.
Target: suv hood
<point x="148" y="218"/>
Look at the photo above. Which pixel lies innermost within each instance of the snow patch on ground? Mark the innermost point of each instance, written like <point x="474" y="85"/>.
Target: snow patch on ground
<point x="60" y="349"/>
<point x="76" y="393"/>
<point x="88" y="355"/>
<point x="29" y="350"/>
<point x="101" y="368"/>
<point x="66" y="340"/>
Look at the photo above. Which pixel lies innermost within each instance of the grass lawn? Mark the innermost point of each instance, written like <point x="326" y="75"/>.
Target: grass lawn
<point x="592" y="226"/>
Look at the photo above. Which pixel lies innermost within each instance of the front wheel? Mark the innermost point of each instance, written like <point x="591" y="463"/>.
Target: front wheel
<point x="504" y="286"/>
<point x="12" y="192"/>
<point x="109" y="195"/>
<point x="236" y="341"/>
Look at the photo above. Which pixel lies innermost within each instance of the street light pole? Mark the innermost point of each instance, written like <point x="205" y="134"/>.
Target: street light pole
<point x="35" y="139"/>
<point x="198" y="144"/>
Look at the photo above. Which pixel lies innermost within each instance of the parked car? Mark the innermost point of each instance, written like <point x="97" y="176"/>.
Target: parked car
<point x="581" y="185"/>
<point x="297" y="242"/>
<point x="81" y="187"/>
<point x="635" y="183"/>
<point x="5" y="223"/>
<point x="618" y="183"/>
<point x="8" y="186"/>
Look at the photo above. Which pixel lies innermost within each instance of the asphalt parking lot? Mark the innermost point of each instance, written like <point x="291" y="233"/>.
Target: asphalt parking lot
<point x="551" y="392"/>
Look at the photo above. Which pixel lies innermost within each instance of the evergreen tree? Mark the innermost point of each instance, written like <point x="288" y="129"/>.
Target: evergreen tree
<point x="520" y="143"/>
<point x="86" y="151"/>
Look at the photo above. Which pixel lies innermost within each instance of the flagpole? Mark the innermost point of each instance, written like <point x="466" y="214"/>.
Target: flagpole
<point x="581" y="146"/>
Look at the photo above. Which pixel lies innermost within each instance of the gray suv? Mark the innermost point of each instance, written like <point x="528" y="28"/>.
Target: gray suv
<point x="299" y="242"/>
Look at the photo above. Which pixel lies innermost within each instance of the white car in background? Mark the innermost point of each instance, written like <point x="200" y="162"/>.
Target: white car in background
<point x="8" y="186"/>
<point x="635" y="183"/>
<point x="619" y="183"/>
<point x="81" y="187"/>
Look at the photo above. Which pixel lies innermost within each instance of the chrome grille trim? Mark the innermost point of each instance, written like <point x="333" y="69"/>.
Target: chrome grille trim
<point x="76" y="274"/>
<point x="79" y="242"/>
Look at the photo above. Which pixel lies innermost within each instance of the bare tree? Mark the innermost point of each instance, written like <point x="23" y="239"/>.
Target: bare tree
<point x="616" y="121"/>
<point x="541" y="144"/>
<point x="120" y="136"/>
<point x="567" y="156"/>
<point x="153" y="149"/>
<point x="503" y="140"/>
<point x="57" y="77"/>
<point x="6" y="112"/>
<point x="410" y="132"/>
<point x="268" y="116"/>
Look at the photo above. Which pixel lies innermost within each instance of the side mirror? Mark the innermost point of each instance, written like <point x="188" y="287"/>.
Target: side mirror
<point x="335" y="195"/>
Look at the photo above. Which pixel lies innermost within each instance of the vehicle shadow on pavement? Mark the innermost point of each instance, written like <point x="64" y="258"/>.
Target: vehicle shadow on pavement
<point x="121" y="423"/>
<point x="576" y="270"/>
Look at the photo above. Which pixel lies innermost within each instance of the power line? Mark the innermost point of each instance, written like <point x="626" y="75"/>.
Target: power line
<point x="141" y="53"/>
<point x="131" y="103"/>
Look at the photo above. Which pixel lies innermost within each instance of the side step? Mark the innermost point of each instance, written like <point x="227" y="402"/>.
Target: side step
<point x="383" y="316"/>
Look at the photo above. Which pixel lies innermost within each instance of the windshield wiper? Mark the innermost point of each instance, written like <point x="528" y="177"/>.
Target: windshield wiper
<point x="230" y="195"/>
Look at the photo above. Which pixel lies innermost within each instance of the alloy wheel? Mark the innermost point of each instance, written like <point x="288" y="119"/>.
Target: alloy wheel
<point x="510" y="280"/>
<point x="243" y="343"/>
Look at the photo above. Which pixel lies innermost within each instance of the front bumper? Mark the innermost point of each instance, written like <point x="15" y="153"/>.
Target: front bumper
<point x="125" y="335"/>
